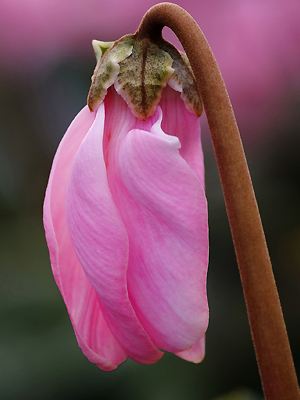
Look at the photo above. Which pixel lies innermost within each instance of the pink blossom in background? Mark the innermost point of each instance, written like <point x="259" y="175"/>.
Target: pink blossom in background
<point x="125" y="216"/>
<point x="256" y="42"/>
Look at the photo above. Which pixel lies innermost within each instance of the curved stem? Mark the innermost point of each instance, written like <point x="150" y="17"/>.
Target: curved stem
<point x="267" y="325"/>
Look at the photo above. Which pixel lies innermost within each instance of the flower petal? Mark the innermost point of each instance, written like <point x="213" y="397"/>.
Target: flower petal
<point x="101" y="242"/>
<point x="93" y="335"/>
<point x="196" y="353"/>
<point x="179" y="121"/>
<point x="163" y="206"/>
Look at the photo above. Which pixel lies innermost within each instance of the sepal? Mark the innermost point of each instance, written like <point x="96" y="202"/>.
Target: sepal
<point x="107" y="69"/>
<point x="100" y="48"/>
<point x="139" y="70"/>
<point x="143" y="76"/>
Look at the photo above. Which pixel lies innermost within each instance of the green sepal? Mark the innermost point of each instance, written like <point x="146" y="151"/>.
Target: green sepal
<point x="107" y="69"/>
<point x="143" y="76"/>
<point x="183" y="79"/>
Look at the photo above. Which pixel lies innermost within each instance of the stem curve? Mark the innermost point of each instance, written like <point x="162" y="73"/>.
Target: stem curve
<point x="265" y="316"/>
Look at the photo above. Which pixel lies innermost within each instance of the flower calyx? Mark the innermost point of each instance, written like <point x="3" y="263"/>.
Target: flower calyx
<point x="140" y="69"/>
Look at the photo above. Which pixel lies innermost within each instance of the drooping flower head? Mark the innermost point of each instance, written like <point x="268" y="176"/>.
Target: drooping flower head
<point x="125" y="212"/>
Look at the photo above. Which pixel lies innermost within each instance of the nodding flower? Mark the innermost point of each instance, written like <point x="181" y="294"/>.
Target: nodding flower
<point x="125" y="211"/>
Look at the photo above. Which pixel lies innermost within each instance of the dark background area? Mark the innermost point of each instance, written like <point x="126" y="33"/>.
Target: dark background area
<point x="45" y="67"/>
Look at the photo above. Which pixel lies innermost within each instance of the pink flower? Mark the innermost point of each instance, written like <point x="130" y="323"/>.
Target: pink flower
<point x="125" y="216"/>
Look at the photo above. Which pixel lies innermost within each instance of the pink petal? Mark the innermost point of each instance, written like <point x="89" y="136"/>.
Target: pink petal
<point x="175" y="120"/>
<point x="163" y="206"/>
<point x="101" y="242"/>
<point x="196" y="353"/>
<point x="179" y="121"/>
<point x="93" y="335"/>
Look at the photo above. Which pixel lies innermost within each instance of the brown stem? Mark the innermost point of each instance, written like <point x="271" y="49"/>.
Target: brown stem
<point x="267" y="325"/>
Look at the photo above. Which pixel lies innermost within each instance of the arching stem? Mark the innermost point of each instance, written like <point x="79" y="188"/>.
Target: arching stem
<point x="267" y="325"/>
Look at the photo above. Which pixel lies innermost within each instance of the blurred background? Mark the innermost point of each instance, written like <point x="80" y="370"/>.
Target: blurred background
<point x="46" y="61"/>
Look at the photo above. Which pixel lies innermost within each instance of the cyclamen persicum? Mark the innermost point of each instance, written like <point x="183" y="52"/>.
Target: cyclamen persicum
<point x="125" y="216"/>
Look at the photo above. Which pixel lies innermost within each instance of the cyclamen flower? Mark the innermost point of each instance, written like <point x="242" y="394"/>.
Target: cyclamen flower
<point x="125" y="215"/>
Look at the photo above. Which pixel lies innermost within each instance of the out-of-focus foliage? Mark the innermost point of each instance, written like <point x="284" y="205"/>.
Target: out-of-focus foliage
<point x="41" y="90"/>
<point x="240" y="395"/>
